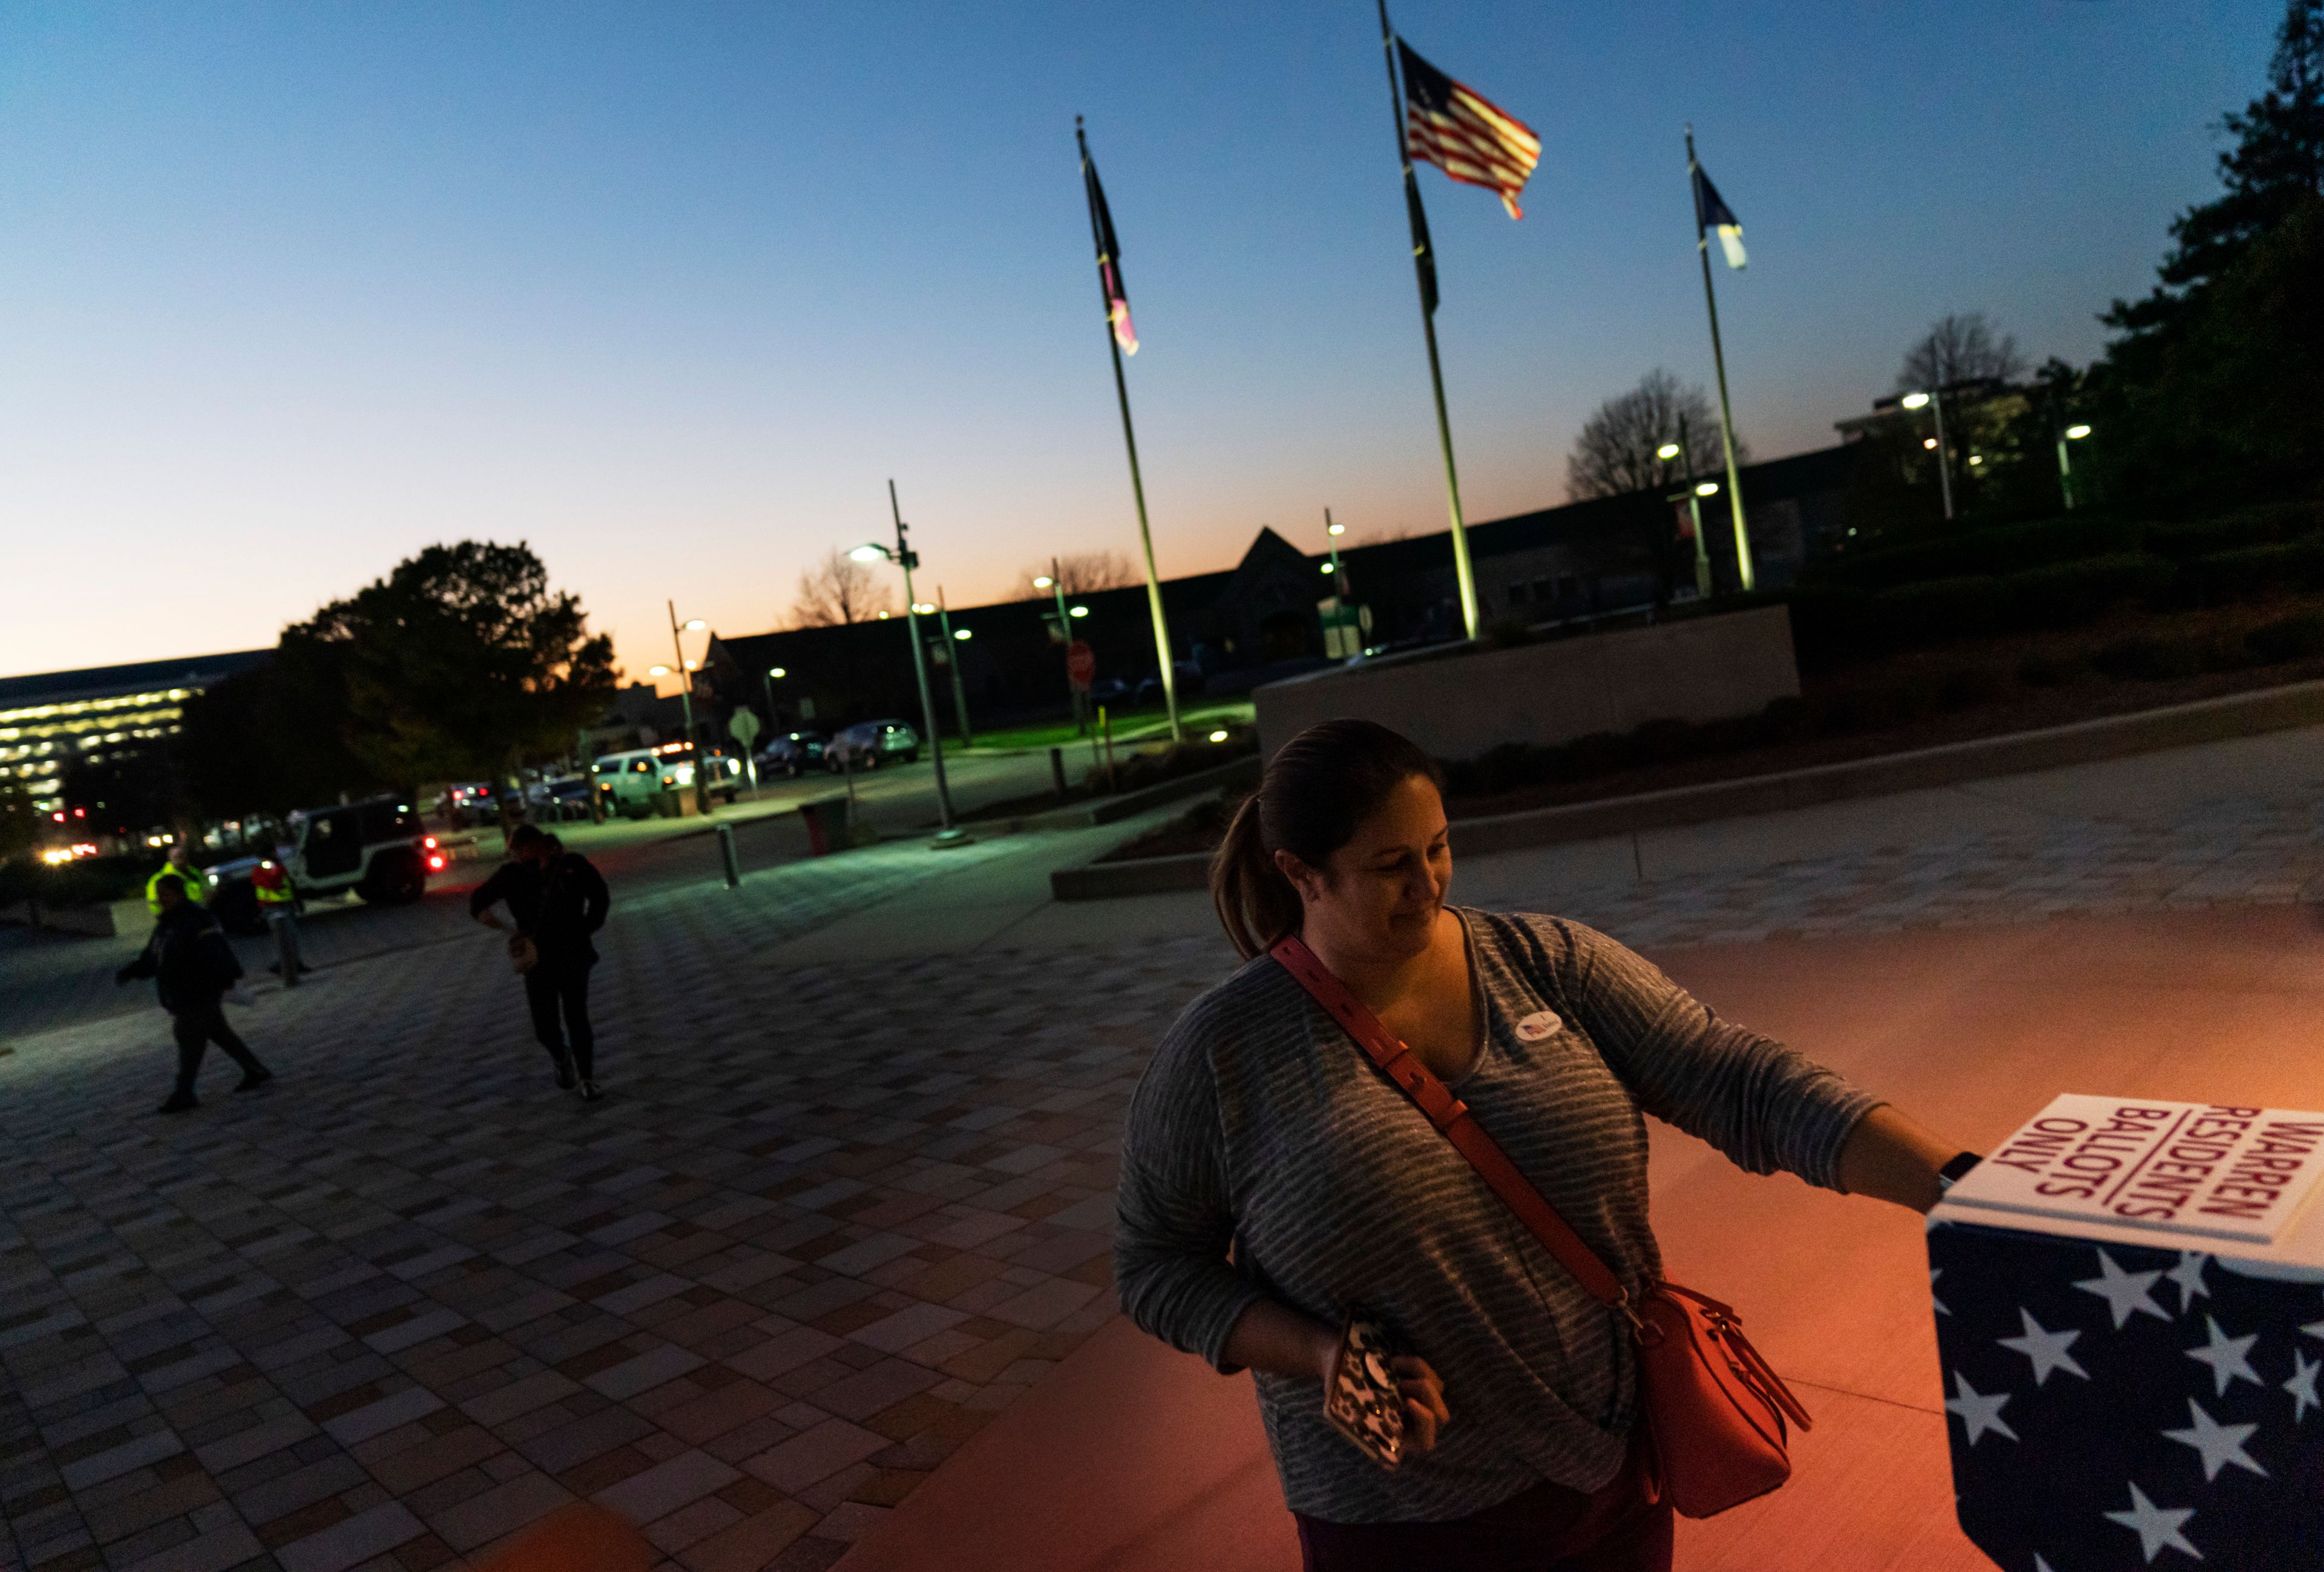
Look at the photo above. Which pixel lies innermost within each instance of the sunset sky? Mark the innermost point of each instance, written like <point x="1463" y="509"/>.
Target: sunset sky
<point x="671" y="290"/>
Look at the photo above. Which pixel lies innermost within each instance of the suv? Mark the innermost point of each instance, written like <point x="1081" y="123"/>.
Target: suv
<point x="792" y="752"/>
<point x="377" y="848"/>
<point x="869" y="744"/>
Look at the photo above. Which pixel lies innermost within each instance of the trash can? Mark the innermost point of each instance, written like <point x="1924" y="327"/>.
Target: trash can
<point x="827" y="824"/>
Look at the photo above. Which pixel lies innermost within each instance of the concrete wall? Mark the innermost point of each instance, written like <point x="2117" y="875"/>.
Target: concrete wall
<point x="1461" y="706"/>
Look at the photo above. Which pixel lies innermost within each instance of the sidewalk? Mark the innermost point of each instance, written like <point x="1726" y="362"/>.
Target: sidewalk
<point x="849" y="1195"/>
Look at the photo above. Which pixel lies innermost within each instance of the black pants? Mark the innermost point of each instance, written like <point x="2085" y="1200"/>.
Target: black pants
<point x="195" y="1028"/>
<point x="551" y="986"/>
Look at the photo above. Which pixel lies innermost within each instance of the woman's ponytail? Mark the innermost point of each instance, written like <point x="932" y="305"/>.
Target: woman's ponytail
<point x="1316" y="790"/>
<point x="1255" y="902"/>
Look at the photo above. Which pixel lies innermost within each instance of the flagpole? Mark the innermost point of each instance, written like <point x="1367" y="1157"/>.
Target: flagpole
<point x="1461" y="574"/>
<point x="1719" y="364"/>
<point x="1137" y="482"/>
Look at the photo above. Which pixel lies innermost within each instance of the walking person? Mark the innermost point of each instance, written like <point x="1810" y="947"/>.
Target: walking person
<point x="1276" y="1186"/>
<point x="557" y="900"/>
<point x="177" y="863"/>
<point x="192" y="966"/>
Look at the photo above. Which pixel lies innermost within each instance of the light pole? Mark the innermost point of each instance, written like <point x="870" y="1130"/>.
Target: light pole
<point x="2065" y="464"/>
<point x="1944" y="459"/>
<point x="1694" y="499"/>
<point x="686" y="701"/>
<point x="904" y="557"/>
<point x="1054" y="582"/>
<point x="1331" y="533"/>
<point x="952" y="643"/>
<point x="766" y="680"/>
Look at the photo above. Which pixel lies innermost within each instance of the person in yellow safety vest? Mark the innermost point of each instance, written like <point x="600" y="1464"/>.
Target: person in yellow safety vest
<point x="272" y="883"/>
<point x="180" y="862"/>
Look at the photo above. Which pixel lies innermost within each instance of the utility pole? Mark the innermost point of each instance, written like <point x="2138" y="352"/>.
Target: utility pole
<point x="907" y="560"/>
<point x="952" y="658"/>
<point x="686" y="702"/>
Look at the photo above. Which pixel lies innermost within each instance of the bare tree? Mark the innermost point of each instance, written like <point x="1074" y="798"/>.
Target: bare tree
<point x="1615" y="453"/>
<point x="1081" y="573"/>
<point x="1957" y="348"/>
<point x="837" y="590"/>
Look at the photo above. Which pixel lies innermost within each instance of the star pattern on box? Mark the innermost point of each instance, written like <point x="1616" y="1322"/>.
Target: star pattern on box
<point x="2118" y="1406"/>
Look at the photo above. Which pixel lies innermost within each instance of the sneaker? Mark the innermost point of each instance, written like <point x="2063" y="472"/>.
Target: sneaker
<point x="565" y="1074"/>
<point x="254" y="1079"/>
<point x="180" y="1101"/>
<point x="589" y="1092"/>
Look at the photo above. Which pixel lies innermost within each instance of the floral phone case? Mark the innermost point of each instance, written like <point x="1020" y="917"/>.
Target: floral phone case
<point x="1361" y="1401"/>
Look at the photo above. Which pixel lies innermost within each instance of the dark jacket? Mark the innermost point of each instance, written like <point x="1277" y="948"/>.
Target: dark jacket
<point x="557" y="907"/>
<point x="188" y="959"/>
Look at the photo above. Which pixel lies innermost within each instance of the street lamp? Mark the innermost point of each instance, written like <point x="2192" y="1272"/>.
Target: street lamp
<point x="2065" y="464"/>
<point x="1053" y="580"/>
<point x="952" y="658"/>
<point x="686" y="701"/>
<point x="1944" y="458"/>
<point x="906" y="558"/>
<point x="766" y="680"/>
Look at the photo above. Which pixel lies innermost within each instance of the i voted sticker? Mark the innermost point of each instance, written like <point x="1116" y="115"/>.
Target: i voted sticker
<point x="1539" y="1025"/>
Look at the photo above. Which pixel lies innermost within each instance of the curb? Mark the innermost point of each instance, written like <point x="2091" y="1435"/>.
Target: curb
<point x="1235" y="772"/>
<point x="2188" y="725"/>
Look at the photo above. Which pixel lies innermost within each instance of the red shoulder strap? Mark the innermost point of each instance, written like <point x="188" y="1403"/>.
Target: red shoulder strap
<point x="1451" y="1119"/>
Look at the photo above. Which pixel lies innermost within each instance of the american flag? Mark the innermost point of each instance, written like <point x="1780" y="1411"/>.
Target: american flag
<point x="1463" y="133"/>
<point x="2118" y="1406"/>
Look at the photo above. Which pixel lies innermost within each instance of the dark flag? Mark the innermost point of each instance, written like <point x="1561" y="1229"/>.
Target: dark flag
<point x="1463" y="133"/>
<point x="1109" y="260"/>
<point x="1711" y="212"/>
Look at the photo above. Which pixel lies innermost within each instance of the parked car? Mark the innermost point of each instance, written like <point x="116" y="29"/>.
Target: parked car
<point x="1189" y="677"/>
<point x="792" y="752"/>
<point x="627" y="782"/>
<point x="561" y="798"/>
<point x="1110" y="691"/>
<point x="722" y="775"/>
<point x="869" y="744"/>
<point x="468" y="803"/>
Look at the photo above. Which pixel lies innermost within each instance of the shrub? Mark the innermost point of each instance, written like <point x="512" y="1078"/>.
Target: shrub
<point x="2150" y="659"/>
<point x="2252" y="570"/>
<point x="1993" y="550"/>
<point x="1964" y="688"/>
<point x="1938" y="611"/>
<point x="2069" y="592"/>
<point x="2288" y="639"/>
<point x="1783" y="720"/>
<point x="1664" y="741"/>
<point x="2045" y="671"/>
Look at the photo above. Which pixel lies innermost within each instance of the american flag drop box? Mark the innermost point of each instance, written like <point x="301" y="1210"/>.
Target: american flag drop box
<point x="2130" y="1316"/>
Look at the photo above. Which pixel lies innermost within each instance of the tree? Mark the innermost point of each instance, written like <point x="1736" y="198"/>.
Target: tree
<point x="1615" y="453"/>
<point x="461" y="662"/>
<point x="1959" y="348"/>
<point x="839" y="590"/>
<point x="1079" y="572"/>
<point x="20" y="822"/>
<point x="2276" y="164"/>
<point x="2215" y="389"/>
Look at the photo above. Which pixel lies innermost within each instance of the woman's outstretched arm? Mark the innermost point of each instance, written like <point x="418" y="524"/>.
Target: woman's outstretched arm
<point x="1890" y="1157"/>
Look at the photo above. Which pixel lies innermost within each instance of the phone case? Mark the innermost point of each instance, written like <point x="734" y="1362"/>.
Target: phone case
<point x="1362" y="1401"/>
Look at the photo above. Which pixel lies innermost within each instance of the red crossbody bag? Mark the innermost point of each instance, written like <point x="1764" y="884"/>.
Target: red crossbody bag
<point x="1714" y="1410"/>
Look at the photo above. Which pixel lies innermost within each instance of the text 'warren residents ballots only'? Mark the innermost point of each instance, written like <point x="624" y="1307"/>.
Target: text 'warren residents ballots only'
<point x="2200" y="1168"/>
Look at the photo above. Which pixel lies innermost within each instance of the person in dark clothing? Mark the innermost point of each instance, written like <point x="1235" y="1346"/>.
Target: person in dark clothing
<point x="192" y="966"/>
<point x="558" y="901"/>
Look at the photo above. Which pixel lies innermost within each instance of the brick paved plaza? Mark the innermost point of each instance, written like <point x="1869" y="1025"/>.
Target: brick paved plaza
<point x="831" y="1217"/>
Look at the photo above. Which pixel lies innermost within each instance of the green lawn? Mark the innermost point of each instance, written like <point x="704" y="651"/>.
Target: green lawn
<point x="1144" y="725"/>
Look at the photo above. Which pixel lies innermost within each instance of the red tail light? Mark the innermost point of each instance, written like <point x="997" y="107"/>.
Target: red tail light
<point x="430" y="841"/>
<point x="435" y="865"/>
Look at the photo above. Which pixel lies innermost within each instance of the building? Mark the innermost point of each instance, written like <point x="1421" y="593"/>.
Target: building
<point x="1262" y="619"/>
<point x="51" y="720"/>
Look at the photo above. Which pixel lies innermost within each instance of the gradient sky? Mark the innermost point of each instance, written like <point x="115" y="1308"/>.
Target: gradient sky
<point x="670" y="289"/>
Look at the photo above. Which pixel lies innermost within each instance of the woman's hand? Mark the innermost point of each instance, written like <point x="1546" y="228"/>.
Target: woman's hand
<point x="1425" y="1412"/>
<point x="489" y="917"/>
<point x="1890" y="1157"/>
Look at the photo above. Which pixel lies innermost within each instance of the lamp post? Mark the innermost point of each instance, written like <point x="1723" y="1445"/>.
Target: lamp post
<point x="1693" y="496"/>
<point x="1054" y="582"/>
<point x="905" y="558"/>
<point x="686" y="702"/>
<point x="766" y="680"/>
<point x="1331" y="533"/>
<point x="2065" y="464"/>
<point x="952" y="642"/>
<point x="1944" y="458"/>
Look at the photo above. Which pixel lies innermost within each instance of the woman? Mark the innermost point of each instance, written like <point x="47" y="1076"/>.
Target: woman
<point x="1274" y="1182"/>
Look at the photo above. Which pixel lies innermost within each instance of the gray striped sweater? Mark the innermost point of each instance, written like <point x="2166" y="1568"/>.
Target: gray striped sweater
<point x="1261" y="1126"/>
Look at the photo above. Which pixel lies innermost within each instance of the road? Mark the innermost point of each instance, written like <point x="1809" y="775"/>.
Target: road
<point x="49" y="980"/>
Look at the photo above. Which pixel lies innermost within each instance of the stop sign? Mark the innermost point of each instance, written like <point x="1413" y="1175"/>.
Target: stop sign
<point x="1081" y="664"/>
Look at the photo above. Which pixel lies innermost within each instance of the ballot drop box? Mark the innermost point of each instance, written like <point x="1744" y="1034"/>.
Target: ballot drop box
<point x="2130" y="1315"/>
